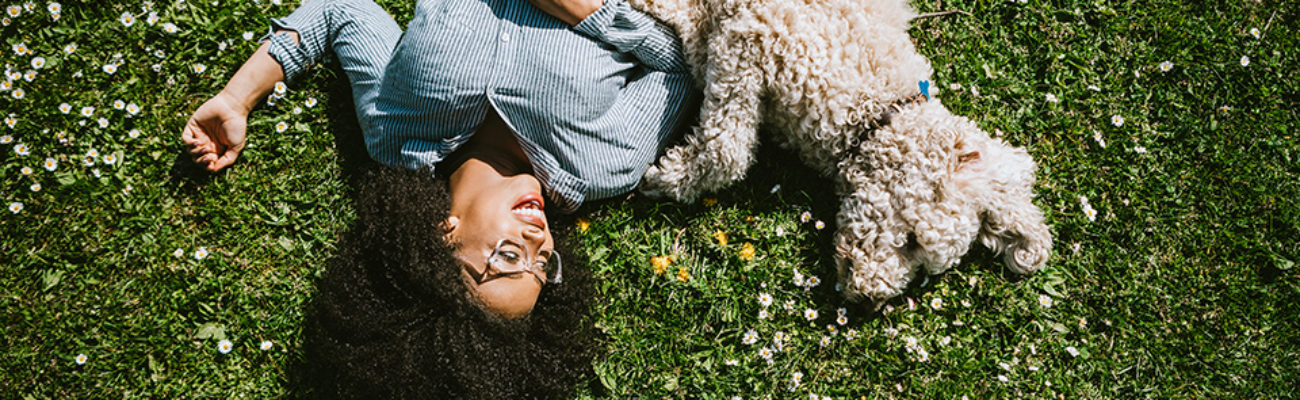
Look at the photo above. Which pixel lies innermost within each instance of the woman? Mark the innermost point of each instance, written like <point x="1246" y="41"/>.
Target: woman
<point x="525" y="103"/>
<point x="516" y="105"/>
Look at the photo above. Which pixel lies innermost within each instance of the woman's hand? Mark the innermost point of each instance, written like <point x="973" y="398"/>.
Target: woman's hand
<point x="215" y="133"/>
<point x="570" y="11"/>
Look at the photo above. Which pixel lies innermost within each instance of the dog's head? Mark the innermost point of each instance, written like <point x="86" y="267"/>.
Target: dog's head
<point x="921" y="190"/>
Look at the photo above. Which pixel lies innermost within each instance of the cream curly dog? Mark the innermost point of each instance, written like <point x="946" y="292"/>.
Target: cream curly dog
<point x="837" y="82"/>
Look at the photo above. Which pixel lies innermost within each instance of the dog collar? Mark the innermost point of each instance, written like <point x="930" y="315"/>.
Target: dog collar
<point x="894" y="108"/>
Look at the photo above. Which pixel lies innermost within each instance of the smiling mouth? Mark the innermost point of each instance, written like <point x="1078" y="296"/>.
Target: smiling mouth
<point x="529" y="209"/>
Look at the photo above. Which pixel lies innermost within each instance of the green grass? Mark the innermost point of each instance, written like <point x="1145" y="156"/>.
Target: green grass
<point x="1183" y="286"/>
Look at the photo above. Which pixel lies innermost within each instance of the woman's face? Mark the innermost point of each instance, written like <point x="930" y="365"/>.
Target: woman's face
<point x="491" y="211"/>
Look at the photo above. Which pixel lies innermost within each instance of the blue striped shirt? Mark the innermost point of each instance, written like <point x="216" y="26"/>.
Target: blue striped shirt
<point x="591" y="104"/>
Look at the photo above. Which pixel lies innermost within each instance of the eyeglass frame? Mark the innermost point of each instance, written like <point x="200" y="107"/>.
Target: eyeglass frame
<point x="494" y="271"/>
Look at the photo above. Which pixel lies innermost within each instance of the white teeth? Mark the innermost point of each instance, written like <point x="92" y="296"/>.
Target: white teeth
<point x="529" y="212"/>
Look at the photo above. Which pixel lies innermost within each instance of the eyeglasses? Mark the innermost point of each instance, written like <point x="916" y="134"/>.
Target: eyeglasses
<point x="509" y="257"/>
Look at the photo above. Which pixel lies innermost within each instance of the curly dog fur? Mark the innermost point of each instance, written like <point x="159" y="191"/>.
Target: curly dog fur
<point x="829" y="78"/>
<point x="393" y="318"/>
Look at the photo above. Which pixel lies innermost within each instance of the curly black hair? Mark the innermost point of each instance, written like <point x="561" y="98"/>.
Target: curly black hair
<point x="393" y="318"/>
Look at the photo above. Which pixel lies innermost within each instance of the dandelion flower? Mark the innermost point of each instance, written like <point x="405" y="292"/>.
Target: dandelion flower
<point x="1166" y="66"/>
<point x="1073" y="351"/>
<point x="720" y="237"/>
<point x="224" y="346"/>
<point x="750" y="337"/>
<point x="809" y="314"/>
<point x="81" y="359"/>
<point x="805" y="217"/>
<point x="683" y="274"/>
<point x="311" y="102"/>
<point x="764" y="299"/>
<point x="1117" y="120"/>
<point x="660" y="264"/>
<point x="38" y="62"/>
<point x="1051" y="98"/>
<point x="583" y="225"/>
<point x="15" y="207"/>
<point x="1245" y="61"/>
<point x="1045" y="301"/>
<point x="21" y="149"/>
<point x="747" y="252"/>
<point x="1254" y="32"/>
<point x="265" y="345"/>
<point x="87" y="111"/>
<point x="281" y="126"/>
<point x="179" y="252"/>
<point x="199" y="68"/>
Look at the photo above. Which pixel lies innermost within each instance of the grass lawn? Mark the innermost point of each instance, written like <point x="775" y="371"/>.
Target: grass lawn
<point x="122" y="268"/>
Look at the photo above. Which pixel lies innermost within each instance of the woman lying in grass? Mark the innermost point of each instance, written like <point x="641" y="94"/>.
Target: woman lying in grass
<point x="515" y="105"/>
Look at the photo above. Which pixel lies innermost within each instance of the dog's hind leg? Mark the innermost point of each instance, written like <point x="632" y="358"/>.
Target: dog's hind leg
<point x="721" y="148"/>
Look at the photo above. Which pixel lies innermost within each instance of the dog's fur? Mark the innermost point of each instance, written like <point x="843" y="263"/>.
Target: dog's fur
<point x="829" y="78"/>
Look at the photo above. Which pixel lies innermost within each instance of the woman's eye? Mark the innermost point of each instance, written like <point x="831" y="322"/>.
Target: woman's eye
<point x="510" y="256"/>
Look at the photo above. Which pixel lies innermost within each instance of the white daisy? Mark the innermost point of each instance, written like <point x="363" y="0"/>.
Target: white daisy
<point x="1096" y="135"/>
<point x="731" y="362"/>
<point x="1051" y="98"/>
<point x="851" y="335"/>
<point x="1117" y="120"/>
<point x="27" y="171"/>
<point x="38" y="62"/>
<point x="110" y="68"/>
<point x="134" y="133"/>
<point x="936" y="303"/>
<point x="170" y="28"/>
<point x="19" y="93"/>
<point x="750" y="337"/>
<point x="764" y="299"/>
<point x="21" y="149"/>
<point x="36" y="187"/>
<point x="199" y="68"/>
<point x="281" y="88"/>
<point x="179" y="252"/>
<point x="1166" y="66"/>
<point x="265" y="345"/>
<point x="51" y="164"/>
<point x="132" y="109"/>
<point x="70" y="48"/>
<point x="1140" y="149"/>
<point x="65" y="108"/>
<point x="110" y="159"/>
<point x="1245" y="61"/>
<point x="281" y="126"/>
<point x="819" y="225"/>
<point x="311" y="102"/>
<point x="87" y="111"/>
<point x="805" y="217"/>
<point x="224" y="346"/>
<point x="201" y="253"/>
<point x="152" y="18"/>
<point x="1254" y="32"/>
<point x="825" y="341"/>
<point x="15" y="207"/>
<point x="248" y="35"/>
<point x="1045" y="301"/>
<point x="119" y="104"/>
<point x="14" y="11"/>
<point x="81" y="359"/>
<point x="103" y="122"/>
<point x="127" y="19"/>
<point x="54" y="8"/>
<point x="809" y="314"/>
<point x="29" y="76"/>
<point x="763" y="314"/>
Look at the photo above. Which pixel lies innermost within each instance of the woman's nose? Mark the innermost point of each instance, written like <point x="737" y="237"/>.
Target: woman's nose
<point x="534" y="234"/>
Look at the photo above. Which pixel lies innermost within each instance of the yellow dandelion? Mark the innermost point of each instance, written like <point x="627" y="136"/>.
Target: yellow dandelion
<point x="747" y="252"/>
<point x="683" y="274"/>
<point x="710" y="202"/>
<point x="583" y="225"/>
<point x="661" y="264"/>
<point x="721" y="237"/>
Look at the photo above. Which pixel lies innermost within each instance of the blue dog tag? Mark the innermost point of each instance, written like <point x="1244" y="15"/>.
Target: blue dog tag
<point x="925" y="88"/>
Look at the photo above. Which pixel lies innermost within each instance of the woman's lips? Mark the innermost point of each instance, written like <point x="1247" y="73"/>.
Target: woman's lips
<point x="529" y="208"/>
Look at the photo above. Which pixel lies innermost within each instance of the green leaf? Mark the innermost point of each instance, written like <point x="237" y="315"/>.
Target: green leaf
<point x="211" y="330"/>
<point x="51" y="278"/>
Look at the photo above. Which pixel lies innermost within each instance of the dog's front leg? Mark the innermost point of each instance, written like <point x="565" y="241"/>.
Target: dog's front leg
<point x="721" y="148"/>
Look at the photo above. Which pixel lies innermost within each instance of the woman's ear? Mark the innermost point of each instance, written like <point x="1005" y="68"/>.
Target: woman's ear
<point x="448" y="227"/>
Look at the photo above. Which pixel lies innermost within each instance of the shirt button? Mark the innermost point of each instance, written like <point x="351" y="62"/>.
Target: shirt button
<point x="505" y="37"/>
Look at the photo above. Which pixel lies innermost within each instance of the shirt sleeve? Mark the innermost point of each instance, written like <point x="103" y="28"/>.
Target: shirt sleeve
<point x="631" y="31"/>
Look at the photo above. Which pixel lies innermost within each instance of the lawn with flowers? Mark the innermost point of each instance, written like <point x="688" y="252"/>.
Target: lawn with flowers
<point x="1164" y="134"/>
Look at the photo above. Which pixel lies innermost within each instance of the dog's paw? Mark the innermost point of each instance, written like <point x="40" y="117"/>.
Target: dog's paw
<point x="665" y="182"/>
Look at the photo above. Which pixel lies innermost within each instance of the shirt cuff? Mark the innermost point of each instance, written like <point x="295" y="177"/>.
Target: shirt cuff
<point x="618" y="24"/>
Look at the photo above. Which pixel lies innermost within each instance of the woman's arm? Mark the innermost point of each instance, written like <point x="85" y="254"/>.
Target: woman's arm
<point x="215" y="133"/>
<point x="627" y="29"/>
